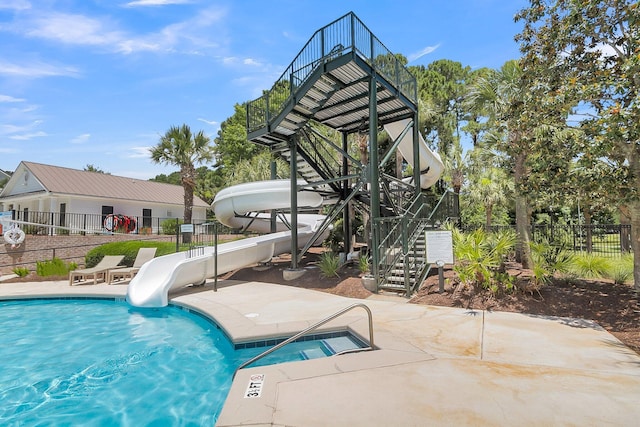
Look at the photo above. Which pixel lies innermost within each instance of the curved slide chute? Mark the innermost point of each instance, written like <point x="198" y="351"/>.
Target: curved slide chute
<point x="151" y="286"/>
<point x="431" y="166"/>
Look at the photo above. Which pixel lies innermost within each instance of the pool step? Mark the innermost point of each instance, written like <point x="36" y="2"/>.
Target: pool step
<point x="329" y="347"/>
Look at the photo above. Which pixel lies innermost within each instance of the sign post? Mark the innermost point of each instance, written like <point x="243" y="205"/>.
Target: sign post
<point x="440" y="252"/>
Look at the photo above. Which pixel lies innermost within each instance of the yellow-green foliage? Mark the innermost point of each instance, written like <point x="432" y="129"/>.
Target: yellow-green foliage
<point x="590" y="266"/>
<point x="479" y="256"/>
<point x="54" y="267"/>
<point x="329" y="264"/>
<point x="21" y="271"/>
<point x="129" y="249"/>
<point x="621" y="269"/>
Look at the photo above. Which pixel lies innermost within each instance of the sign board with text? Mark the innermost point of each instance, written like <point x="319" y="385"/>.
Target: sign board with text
<point x="186" y="228"/>
<point x="439" y="246"/>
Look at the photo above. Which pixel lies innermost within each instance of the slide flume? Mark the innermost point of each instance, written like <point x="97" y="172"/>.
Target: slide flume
<point x="151" y="286"/>
<point x="431" y="166"/>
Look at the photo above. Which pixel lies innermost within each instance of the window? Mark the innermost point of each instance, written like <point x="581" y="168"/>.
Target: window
<point x="63" y="212"/>
<point x="146" y="218"/>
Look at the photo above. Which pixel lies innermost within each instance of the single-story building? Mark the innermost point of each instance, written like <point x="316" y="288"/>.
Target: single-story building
<point x="85" y="201"/>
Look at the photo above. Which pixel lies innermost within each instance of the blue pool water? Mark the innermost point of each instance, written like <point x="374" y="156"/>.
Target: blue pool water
<point x="101" y="362"/>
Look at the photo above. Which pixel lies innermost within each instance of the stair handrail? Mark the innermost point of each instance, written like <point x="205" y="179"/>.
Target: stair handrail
<point x="345" y="34"/>
<point x="312" y="328"/>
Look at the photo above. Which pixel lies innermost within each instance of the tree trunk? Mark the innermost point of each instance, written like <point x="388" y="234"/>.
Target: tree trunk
<point x="188" y="184"/>
<point x="588" y="230"/>
<point x="634" y="210"/>
<point x="625" y="229"/>
<point x="523" y="250"/>
<point x="488" y="211"/>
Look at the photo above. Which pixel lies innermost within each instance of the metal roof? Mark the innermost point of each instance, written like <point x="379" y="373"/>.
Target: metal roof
<point x="74" y="182"/>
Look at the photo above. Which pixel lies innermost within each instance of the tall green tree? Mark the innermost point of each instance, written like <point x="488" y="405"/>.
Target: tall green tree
<point x="587" y="53"/>
<point x="499" y="94"/>
<point x="231" y="145"/>
<point x="180" y="147"/>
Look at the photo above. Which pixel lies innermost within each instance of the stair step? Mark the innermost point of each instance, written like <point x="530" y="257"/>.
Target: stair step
<point x="312" y="353"/>
<point x="339" y="344"/>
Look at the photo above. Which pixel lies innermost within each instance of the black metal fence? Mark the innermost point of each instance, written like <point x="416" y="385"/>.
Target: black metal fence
<point x="600" y="239"/>
<point x="61" y="223"/>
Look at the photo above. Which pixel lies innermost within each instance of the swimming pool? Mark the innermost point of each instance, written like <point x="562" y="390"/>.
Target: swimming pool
<point x="102" y="362"/>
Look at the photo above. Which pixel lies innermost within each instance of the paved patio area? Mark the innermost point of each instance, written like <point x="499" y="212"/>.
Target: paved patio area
<point x="432" y="366"/>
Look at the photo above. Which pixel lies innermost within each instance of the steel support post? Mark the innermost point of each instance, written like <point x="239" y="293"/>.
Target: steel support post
<point x="346" y="220"/>
<point x="374" y="176"/>
<point x="416" y="154"/>
<point x="274" y="175"/>
<point x="293" y="146"/>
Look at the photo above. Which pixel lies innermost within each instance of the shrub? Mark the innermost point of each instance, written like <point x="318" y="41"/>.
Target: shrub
<point x="549" y="258"/>
<point x="129" y="249"/>
<point x="54" y="267"/>
<point x="21" y="271"/>
<point x="621" y="270"/>
<point x="480" y="257"/>
<point x="590" y="266"/>
<point x="329" y="264"/>
<point x="170" y="226"/>
<point x="364" y="262"/>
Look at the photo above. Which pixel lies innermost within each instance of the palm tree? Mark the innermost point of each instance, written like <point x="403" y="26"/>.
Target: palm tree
<point x="499" y="95"/>
<point x="179" y="147"/>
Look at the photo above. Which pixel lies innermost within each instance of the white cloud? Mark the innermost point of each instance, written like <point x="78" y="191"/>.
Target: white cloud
<point x="156" y="2"/>
<point x="427" y="50"/>
<point x="209" y="122"/>
<point x="36" y="70"/>
<point x="27" y="136"/>
<point x="75" y="29"/>
<point x="72" y="29"/>
<point x="7" y="98"/>
<point x="139" y="152"/>
<point x="15" y="4"/>
<point x="251" y="61"/>
<point x="81" y="139"/>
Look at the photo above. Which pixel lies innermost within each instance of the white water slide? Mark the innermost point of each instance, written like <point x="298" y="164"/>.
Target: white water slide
<point x="151" y="286"/>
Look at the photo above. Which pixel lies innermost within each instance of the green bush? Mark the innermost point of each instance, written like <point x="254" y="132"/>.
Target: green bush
<point x="621" y="270"/>
<point x="550" y="258"/>
<point x="129" y="249"/>
<point x="590" y="266"/>
<point x="21" y="271"/>
<point x="480" y="258"/>
<point x="170" y="226"/>
<point x="329" y="264"/>
<point x="54" y="267"/>
<point x="364" y="262"/>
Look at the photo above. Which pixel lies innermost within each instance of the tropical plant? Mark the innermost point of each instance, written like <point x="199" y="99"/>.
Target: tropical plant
<point x="480" y="257"/>
<point x="54" y="267"/>
<point x="550" y="258"/>
<point x="179" y="147"/>
<point x="364" y="263"/>
<point x="329" y="264"/>
<point x="498" y="94"/>
<point x="583" y="57"/>
<point x="590" y="266"/>
<point x="21" y="271"/>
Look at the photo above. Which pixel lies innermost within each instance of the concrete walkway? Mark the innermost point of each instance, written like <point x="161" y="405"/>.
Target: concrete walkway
<point x="433" y="365"/>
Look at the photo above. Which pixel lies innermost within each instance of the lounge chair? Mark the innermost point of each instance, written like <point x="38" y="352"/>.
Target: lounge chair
<point x="144" y="255"/>
<point x="100" y="270"/>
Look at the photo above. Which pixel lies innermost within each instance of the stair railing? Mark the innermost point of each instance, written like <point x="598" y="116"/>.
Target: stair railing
<point x="312" y="328"/>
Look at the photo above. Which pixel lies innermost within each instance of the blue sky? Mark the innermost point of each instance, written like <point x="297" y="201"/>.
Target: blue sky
<point x="99" y="81"/>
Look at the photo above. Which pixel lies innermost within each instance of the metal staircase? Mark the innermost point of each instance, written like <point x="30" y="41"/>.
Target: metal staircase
<point x="347" y="80"/>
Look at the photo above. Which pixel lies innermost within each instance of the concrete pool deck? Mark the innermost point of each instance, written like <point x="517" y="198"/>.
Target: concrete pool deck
<point x="432" y="366"/>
